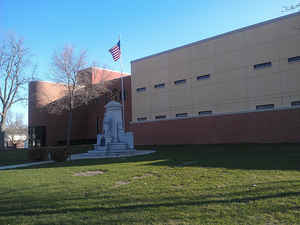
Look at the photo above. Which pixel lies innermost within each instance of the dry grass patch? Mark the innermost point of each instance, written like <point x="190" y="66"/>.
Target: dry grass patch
<point x="119" y="183"/>
<point x="142" y="176"/>
<point x="89" y="173"/>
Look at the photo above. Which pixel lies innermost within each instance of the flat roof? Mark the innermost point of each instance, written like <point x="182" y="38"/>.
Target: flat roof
<point x="221" y="35"/>
<point x="109" y="70"/>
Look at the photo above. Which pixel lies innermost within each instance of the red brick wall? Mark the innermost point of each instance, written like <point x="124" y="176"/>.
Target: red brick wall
<point x="96" y="108"/>
<point x="254" y="127"/>
<point x="39" y="94"/>
<point x="84" y="117"/>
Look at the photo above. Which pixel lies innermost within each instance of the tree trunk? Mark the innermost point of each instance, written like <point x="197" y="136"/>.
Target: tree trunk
<point x="2" y="135"/>
<point x="2" y="132"/>
<point x="69" y="129"/>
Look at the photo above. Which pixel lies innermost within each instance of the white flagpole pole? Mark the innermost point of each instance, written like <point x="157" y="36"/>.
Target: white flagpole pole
<point x="122" y="88"/>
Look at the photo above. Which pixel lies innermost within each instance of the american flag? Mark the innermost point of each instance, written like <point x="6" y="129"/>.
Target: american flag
<point x="116" y="51"/>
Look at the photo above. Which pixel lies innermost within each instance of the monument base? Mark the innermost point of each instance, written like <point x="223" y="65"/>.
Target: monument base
<point x="107" y="154"/>
<point x="110" y="152"/>
<point x="113" y="138"/>
<point x="118" y="147"/>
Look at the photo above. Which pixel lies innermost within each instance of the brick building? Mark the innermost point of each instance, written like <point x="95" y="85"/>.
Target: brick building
<point x="238" y="87"/>
<point x="50" y="129"/>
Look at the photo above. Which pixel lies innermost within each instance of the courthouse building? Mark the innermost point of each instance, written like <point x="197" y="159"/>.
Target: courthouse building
<point x="239" y="87"/>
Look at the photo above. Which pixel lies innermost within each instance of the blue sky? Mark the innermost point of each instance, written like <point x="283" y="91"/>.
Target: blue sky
<point x="145" y="27"/>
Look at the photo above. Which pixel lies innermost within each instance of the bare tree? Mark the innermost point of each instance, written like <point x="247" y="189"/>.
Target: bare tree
<point x="71" y="69"/>
<point x="14" y="76"/>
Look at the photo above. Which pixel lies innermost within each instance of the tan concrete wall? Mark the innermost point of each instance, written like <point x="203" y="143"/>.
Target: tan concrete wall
<point x="234" y="85"/>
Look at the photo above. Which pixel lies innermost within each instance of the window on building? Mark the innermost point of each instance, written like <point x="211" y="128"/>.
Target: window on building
<point x="264" y="107"/>
<point x="178" y="82"/>
<point x="162" y="85"/>
<point x="97" y="125"/>
<point x="203" y="113"/>
<point x="295" y="103"/>
<point x="124" y="93"/>
<point x="203" y="77"/>
<point x="181" y="115"/>
<point x="262" y="65"/>
<point x="37" y="136"/>
<point x="141" y="118"/>
<point x="141" y="89"/>
<point x="294" y="59"/>
<point x="160" y="117"/>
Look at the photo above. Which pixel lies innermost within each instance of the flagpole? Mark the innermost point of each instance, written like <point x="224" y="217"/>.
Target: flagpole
<point x="122" y="88"/>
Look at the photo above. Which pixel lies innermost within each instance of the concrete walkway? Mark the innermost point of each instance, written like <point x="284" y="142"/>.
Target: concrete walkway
<point x="25" y="165"/>
<point x="82" y="156"/>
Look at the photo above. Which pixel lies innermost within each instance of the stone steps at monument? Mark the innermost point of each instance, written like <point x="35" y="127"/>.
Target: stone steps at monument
<point x="99" y="148"/>
<point x="118" y="146"/>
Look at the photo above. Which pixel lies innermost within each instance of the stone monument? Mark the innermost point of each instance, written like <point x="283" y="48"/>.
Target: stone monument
<point x="113" y="138"/>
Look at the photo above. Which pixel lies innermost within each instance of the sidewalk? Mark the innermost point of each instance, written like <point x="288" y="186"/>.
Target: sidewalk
<point x="25" y="165"/>
<point x="82" y="156"/>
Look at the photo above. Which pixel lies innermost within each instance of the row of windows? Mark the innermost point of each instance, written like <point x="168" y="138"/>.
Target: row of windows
<point x="271" y="106"/>
<point x="178" y="115"/>
<point x="269" y="64"/>
<point x="207" y="76"/>
<point x="209" y="112"/>
<point x="177" y="82"/>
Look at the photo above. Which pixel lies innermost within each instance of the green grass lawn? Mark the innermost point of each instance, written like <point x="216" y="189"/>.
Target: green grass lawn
<point x="223" y="184"/>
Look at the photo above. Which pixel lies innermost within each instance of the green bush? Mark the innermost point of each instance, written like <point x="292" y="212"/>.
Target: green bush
<point x="38" y="154"/>
<point x="59" y="154"/>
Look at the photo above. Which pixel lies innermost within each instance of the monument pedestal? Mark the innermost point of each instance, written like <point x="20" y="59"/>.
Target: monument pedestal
<point x="113" y="139"/>
<point x="111" y="148"/>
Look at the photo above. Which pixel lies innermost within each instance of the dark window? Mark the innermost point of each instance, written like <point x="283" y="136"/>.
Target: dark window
<point x="181" y="115"/>
<point x="141" y="118"/>
<point x="262" y="65"/>
<point x="203" y="77"/>
<point x="124" y="92"/>
<point x="295" y="103"/>
<point x="97" y="125"/>
<point x="177" y="82"/>
<point x="262" y="107"/>
<point x="142" y="89"/>
<point x="294" y="59"/>
<point x="37" y="136"/>
<point x="162" y="85"/>
<point x="160" y="117"/>
<point x="202" y="113"/>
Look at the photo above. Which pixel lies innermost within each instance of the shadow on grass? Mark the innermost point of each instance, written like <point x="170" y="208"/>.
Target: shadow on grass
<point x="41" y="206"/>
<point x="238" y="156"/>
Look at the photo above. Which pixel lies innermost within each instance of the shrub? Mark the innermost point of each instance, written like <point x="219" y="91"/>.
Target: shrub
<point x="38" y="154"/>
<point x="60" y="155"/>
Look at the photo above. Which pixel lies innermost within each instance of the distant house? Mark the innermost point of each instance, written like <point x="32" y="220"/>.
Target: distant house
<point x="15" y="140"/>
